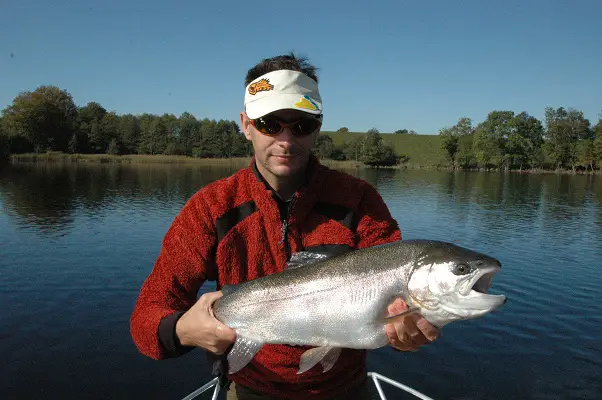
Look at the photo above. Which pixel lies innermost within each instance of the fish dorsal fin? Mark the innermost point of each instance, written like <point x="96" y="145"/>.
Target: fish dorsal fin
<point x="316" y="254"/>
<point x="303" y="258"/>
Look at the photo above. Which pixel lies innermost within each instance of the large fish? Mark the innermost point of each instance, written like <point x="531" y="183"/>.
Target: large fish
<point x="341" y="301"/>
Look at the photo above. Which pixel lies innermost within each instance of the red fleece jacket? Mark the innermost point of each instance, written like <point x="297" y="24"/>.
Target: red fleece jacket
<point x="233" y="226"/>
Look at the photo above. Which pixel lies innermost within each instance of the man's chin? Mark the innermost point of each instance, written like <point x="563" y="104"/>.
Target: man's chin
<point x="285" y="170"/>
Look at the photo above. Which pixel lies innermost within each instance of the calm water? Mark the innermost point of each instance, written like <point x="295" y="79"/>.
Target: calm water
<point x="76" y="243"/>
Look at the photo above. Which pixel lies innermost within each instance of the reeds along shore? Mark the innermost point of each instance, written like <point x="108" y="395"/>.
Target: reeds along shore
<point x="242" y="162"/>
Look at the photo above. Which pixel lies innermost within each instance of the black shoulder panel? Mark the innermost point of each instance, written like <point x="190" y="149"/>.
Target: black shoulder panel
<point x="233" y="217"/>
<point x="338" y="213"/>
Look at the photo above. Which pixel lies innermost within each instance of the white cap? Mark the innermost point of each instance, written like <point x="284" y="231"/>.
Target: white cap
<point x="280" y="90"/>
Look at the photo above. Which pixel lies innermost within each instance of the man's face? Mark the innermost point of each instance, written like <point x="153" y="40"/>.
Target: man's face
<point x="283" y="155"/>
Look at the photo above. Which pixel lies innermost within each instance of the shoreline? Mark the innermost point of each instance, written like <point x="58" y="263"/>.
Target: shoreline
<point x="244" y="161"/>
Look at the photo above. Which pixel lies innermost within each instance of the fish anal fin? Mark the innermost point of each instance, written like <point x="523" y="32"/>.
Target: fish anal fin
<point x="242" y="352"/>
<point x="327" y="355"/>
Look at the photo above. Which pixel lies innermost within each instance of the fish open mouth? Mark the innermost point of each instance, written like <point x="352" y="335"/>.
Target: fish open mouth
<point x="478" y="289"/>
<point x="483" y="283"/>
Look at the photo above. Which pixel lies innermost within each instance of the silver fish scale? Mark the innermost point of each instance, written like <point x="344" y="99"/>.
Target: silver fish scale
<point x="338" y="302"/>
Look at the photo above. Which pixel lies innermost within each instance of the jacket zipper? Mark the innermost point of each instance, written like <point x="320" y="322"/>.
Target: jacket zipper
<point x="285" y="226"/>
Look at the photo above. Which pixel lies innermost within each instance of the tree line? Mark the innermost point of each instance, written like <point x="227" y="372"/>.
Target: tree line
<point x="47" y="119"/>
<point x="505" y="140"/>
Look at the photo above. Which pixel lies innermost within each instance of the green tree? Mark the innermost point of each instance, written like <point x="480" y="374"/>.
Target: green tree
<point x="450" y="143"/>
<point x="450" y="139"/>
<point x="89" y="135"/>
<point x="374" y="152"/>
<point x="353" y="149"/>
<point x="208" y="144"/>
<point x="113" y="147"/>
<point x="4" y="142"/>
<point x="109" y="128"/>
<point x="586" y="153"/>
<point x="128" y="133"/>
<point x="46" y="118"/>
<point x="343" y="129"/>
<point x="324" y="146"/>
<point x="564" y="129"/>
<point x="241" y="147"/>
<point x="189" y="132"/>
<point x="598" y="143"/>
<point x="153" y="135"/>
<point x="401" y="131"/>
<point x="491" y="137"/>
<point x="523" y="146"/>
<point x="465" y="156"/>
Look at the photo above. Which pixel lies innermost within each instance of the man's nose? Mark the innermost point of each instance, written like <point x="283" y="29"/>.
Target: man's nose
<point x="286" y="135"/>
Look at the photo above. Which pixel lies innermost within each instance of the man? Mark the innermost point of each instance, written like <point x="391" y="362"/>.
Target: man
<point x="248" y="225"/>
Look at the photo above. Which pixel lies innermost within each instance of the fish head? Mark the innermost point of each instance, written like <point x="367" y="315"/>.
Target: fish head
<point x="450" y="283"/>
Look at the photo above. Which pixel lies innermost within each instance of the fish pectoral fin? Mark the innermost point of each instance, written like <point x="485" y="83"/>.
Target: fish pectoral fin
<point x="242" y="352"/>
<point x="393" y="318"/>
<point x="330" y="358"/>
<point x="327" y="355"/>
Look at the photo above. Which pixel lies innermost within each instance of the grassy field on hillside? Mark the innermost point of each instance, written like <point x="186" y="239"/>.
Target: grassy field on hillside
<point x="423" y="150"/>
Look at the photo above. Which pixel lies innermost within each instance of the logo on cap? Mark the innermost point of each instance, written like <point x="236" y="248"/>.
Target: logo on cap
<point x="307" y="103"/>
<point x="262" y="85"/>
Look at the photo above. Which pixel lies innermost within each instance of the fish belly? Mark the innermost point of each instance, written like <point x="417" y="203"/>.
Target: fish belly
<point x="340" y="317"/>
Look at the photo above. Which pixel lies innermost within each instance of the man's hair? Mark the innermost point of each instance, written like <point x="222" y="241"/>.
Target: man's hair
<point x="288" y="61"/>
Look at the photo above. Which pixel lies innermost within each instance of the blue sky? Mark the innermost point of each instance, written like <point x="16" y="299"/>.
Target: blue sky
<point x="417" y="65"/>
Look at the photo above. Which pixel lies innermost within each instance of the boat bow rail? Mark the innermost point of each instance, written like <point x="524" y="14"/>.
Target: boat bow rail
<point x="376" y="378"/>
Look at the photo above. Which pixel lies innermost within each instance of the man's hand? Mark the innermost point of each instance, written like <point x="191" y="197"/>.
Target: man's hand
<point x="199" y="327"/>
<point x="411" y="332"/>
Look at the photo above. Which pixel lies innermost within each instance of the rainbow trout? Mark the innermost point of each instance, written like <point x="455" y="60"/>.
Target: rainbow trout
<point x="341" y="301"/>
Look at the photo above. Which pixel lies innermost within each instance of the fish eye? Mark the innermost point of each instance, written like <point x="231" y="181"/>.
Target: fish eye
<point x="461" y="269"/>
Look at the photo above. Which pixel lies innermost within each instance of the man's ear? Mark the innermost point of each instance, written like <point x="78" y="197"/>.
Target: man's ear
<point x="245" y="124"/>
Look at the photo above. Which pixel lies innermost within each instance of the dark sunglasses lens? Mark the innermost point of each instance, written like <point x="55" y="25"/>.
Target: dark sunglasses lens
<point x="269" y="126"/>
<point x="307" y="126"/>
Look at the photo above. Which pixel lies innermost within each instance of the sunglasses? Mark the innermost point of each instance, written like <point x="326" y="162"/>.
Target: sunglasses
<point x="271" y="126"/>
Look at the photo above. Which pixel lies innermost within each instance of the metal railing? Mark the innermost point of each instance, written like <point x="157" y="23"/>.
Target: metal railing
<point x="376" y="378"/>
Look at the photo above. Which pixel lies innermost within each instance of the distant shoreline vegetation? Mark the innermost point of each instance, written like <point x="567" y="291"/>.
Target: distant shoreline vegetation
<point x="240" y="162"/>
<point x="46" y="125"/>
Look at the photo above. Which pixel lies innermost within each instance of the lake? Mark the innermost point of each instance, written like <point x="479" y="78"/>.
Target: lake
<point x="77" y="241"/>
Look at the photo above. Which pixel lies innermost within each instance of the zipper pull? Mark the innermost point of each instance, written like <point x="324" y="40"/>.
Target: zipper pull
<point x="284" y="229"/>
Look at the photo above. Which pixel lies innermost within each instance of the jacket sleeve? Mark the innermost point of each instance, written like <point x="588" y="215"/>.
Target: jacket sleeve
<point x="375" y="225"/>
<point x="174" y="282"/>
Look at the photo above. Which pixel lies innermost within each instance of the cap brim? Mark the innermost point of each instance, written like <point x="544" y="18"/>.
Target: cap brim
<point x="266" y="105"/>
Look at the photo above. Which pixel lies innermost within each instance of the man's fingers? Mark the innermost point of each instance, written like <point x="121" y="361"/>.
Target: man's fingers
<point x="410" y="332"/>
<point x="399" y="337"/>
<point x="429" y="331"/>
<point x="209" y="298"/>
<point x="224" y="332"/>
<point x="397" y="307"/>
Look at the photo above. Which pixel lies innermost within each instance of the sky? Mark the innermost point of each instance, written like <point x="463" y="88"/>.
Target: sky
<point x="389" y="65"/>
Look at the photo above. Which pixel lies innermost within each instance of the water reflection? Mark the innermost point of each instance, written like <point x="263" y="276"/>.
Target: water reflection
<point x="47" y="195"/>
